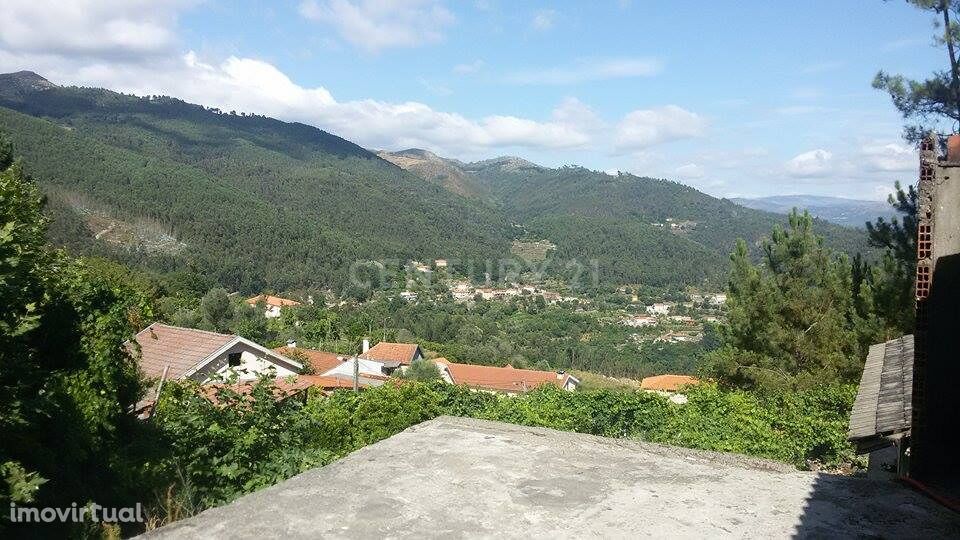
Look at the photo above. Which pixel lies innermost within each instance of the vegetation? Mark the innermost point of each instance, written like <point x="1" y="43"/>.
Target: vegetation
<point x="524" y="332"/>
<point x="925" y="103"/>
<point x="250" y="203"/>
<point x="804" y="315"/>
<point x="573" y="207"/>
<point x="889" y="283"/>
<point x="223" y="452"/>
<point x="67" y="384"/>
<point x="257" y="202"/>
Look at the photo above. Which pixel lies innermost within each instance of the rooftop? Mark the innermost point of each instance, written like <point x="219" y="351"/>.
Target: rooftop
<point x="320" y="361"/>
<point x="162" y="345"/>
<point x="667" y="383"/>
<point x="503" y="379"/>
<point x="883" y="405"/>
<point x="403" y="353"/>
<point x="272" y="300"/>
<point x="474" y="478"/>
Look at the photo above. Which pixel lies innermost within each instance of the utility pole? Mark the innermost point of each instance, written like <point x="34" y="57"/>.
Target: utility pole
<point x="356" y="373"/>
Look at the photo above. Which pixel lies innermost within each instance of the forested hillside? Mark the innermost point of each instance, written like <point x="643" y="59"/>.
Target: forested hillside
<point x="653" y="231"/>
<point x="256" y="202"/>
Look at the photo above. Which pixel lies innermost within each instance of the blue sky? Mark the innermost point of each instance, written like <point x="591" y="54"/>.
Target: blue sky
<point x="736" y="99"/>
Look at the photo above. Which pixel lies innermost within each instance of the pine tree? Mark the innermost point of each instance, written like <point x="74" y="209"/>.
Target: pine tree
<point x="925" y="103"/>
<point x="791" y="319"/>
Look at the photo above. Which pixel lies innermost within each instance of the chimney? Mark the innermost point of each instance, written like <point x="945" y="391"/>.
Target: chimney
<point x="291" y="344"/>
<point x="953" y="148"/>
<point x="366" y="345"/>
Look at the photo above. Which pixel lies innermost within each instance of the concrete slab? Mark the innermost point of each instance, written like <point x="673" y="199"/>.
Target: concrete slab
<point x="463" y="478"/>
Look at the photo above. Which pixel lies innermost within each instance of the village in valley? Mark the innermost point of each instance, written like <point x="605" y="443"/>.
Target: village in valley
<point x="220" y="360"/>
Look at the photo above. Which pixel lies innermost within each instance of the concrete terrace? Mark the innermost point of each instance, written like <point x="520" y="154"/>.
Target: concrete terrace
<point x="454" y="477"/>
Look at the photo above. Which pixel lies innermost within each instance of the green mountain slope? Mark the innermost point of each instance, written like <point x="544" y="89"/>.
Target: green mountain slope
<point x="639" y="229"/>
<point x="255" y="201"/>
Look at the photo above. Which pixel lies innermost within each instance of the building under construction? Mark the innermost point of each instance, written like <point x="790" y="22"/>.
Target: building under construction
<point x="907" y="405"/>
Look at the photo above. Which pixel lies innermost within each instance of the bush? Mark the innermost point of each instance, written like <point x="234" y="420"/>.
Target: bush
<point x="218" y="452"/>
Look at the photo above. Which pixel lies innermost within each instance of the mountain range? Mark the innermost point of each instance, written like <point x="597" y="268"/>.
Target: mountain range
<point x="255" y="203"/>
<point x="849" y="212"/>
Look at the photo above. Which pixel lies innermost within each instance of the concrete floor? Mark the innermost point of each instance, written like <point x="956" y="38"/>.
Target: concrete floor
<point x="455" y="478"/>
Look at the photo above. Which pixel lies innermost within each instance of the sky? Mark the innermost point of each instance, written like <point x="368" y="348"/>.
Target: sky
<point x="749" y="98"/>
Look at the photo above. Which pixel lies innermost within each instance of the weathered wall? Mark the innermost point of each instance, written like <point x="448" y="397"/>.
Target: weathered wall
<point x="937" y="350"/>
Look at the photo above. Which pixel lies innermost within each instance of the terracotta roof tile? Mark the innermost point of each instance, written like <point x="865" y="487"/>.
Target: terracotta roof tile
<point x="396" y="352"/>
<point x="320" y="361"/>
<point x="180" y="348"/>
<point x="501" y="379"/>
<point x="327" y="382"/>
<point x="668" y="383"/>
<point x="282" y="388"/>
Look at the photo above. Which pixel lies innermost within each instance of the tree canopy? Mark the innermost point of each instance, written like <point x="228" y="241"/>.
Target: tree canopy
<point x="924" y="103"/>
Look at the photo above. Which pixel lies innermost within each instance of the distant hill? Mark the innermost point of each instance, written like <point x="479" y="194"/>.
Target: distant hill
<point x="255" y="203"/>
<point x="251" y="201"/>
<point x="639" y="229"/>
<point x="427" y="165"/>
<point x="849" y="212"/>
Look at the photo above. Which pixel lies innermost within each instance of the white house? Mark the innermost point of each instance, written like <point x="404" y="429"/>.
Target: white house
<point x="170" y="353"/>
<point x="637" y="321"/>
<point x="659" y="308"/>
<point x="718" y="299"/>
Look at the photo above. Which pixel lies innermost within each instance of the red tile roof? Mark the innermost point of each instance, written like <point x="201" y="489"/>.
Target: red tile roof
<point x="282" y="388"/>
<point x="324" y="382"/>
<point x="396" y="352"/>
<point x="668" y="383"/>
<point x="272" y="300"/>
<point x="179" y="348"/>
<point x="320" y="361"/>
<point x="501" y="379"/>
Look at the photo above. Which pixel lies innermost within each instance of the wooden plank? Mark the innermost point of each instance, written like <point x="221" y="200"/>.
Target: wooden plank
<point x="883" y="403"/>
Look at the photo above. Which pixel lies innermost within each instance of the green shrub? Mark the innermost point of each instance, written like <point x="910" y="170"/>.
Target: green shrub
<point x="218" y="452"/>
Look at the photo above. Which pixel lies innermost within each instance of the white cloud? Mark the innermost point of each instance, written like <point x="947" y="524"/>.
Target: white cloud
<point x="468" y="68"/>
<point x="690" y="170"/>
<point x="574" y="112"/>
<point x="85" y="48"/>
<point x="643" y="128"/>
<point x="543" y="19"/>
<point x="108" y="29"/>
<point x="891" y="157"/>
<point x="375" y="25"/>
<point x="250" y="85"/>
<point x="589" y="70"/>
<point x="812" y="164"/>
